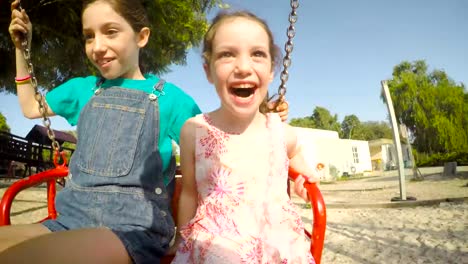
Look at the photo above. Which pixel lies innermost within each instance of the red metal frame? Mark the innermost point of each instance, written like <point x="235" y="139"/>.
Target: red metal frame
<point x="317" y="237"/>
<point x="49" y="176"/>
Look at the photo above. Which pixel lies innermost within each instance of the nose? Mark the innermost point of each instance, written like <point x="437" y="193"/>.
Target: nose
<point x="99" y="44"/>
<point x="243" y="65"/>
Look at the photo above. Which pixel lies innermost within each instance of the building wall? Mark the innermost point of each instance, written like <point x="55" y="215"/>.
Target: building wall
<point x="384" y="156"/>
<point x="338" y="155"/>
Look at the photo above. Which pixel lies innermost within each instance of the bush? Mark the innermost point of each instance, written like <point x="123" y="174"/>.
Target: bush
<point x="438" y="159"/>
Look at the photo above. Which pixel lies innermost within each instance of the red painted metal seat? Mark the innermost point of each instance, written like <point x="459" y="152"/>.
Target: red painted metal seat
<point x="50" y="177"/>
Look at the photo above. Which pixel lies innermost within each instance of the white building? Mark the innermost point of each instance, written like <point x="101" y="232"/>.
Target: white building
<point x="339" y="156"/>
<point x="384" y="157"/>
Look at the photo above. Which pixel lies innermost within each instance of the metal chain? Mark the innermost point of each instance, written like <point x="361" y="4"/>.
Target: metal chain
<point x="38" y="95"/>
<point x="288" y="47"/>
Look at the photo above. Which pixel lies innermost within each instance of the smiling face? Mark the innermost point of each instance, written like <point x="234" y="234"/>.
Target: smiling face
<point x="240" y="65"/>
<point x="110" y="42"/>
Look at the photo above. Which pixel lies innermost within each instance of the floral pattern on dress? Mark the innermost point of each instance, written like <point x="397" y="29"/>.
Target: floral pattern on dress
<point x="244" y="214"/>
<point x="222" y="190"/>
<point x="214" y="141"/>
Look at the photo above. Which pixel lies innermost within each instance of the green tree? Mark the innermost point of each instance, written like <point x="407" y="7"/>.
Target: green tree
<point x="306" y="122"/>
<point x="325" y="120"/>
<point x="371" y="130"/>
<point x="58" y="52"/>
<point x="432" y="106"/>
<point x="321" y="118"/>
<point x="350" y="123"/>
<point x="3" y="123"/>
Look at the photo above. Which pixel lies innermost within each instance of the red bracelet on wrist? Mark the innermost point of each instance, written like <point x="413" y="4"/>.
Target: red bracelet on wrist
<point x="22" y="79"/>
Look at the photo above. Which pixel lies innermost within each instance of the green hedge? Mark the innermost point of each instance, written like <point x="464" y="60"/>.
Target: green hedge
<point x="438" y="159"/>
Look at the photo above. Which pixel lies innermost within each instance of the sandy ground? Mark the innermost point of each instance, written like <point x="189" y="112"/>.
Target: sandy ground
<point x="363" y="225"/>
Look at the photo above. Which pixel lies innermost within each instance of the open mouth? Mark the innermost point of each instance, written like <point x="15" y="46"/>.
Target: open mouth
<point x="243" y="92"/>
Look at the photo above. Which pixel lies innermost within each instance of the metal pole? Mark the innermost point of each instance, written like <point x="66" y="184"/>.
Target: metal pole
<point x="396" y="140"/>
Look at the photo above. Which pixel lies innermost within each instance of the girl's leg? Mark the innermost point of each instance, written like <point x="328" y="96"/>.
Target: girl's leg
<point x="94" y="245"/>
<point x="14" y="234"/>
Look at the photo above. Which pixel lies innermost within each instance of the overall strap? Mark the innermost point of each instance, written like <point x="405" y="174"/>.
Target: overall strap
<point x="97" y="88"/>
<point x="158" y="90"/>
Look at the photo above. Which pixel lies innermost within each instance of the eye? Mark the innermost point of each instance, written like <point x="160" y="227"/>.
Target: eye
<point x="112" y="32"/>
<point x="260" y="53"/>
<point x="88" y="37"/>
<point x="225" y="54"/>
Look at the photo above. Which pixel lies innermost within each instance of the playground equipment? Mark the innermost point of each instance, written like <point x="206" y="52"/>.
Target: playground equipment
<point x="60" y="171"/>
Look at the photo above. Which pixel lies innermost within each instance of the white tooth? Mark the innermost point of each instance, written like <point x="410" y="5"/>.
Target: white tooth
<point x="244" y="86"/>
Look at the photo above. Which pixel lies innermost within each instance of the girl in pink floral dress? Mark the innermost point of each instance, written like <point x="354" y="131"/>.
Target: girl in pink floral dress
<point x="234" y="207"/>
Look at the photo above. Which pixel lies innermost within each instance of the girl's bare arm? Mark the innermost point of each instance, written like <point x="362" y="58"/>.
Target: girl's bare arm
<point x="298" y="163"/>
<point x="20" y="28"/>
<point x="188" y="201"/>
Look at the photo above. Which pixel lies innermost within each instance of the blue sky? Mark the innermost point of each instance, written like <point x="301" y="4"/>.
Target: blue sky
<point x="342" y="50"/>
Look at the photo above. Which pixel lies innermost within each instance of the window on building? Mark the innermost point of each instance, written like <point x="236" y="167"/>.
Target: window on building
<point x="355" y="155"/>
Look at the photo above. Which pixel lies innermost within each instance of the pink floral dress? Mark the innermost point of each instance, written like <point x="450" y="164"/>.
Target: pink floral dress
<point x="244" y="214"/>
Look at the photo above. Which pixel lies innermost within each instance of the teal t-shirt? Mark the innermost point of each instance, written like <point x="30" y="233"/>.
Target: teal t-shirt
<point x="68" y="99"/>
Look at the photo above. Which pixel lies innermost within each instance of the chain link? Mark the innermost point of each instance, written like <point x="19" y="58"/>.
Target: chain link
<point x="288" y="48"/>
<point x="38" y="95"/>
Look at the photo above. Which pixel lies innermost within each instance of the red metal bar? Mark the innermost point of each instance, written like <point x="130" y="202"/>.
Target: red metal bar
<point x="319" y="214"/>
<point x="47" y="176"/>
<point x="51" y="191"/>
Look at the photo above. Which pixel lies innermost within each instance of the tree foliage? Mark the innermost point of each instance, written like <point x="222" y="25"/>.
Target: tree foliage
<point x="353" y="128"/>
<point x="350" y="123"/>
<point x="3" y="123"/>
<point x="325" y="120"/>
<point x="371" y="130"/>
<point x="306" y="122"/>
<point x="350" y="128"/>
<point x="321" y="118"/>
<point x="432" y="106"/>
<point x="58" y="50"/>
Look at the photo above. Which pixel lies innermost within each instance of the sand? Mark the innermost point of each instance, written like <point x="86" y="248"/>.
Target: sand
<point x="363" y="225"/>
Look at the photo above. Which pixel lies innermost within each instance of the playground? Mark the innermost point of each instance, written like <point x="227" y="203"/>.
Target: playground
<point x="363" y="226"/>
<point x="362" y="214"/>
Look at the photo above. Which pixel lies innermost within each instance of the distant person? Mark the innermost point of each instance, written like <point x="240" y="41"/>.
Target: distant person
<point x="234" y="207"/>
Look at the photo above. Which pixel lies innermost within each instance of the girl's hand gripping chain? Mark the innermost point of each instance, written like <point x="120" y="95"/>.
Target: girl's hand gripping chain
<point x="20" y="25"/>
<point x="283" y="110"/>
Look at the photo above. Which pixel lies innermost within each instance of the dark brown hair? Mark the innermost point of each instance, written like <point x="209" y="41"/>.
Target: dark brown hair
<point x="131" y="10"/>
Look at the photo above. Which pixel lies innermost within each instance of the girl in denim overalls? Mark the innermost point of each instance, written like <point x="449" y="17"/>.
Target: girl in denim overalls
<point x="115" y="206"/>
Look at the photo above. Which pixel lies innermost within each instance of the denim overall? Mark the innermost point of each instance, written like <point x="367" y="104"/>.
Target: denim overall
<point x="116" y="179"/>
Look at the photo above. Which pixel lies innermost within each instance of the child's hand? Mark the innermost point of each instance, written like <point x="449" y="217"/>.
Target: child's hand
<point x="20" y="25"/>
<point x="299" y="188"/>
<point x="174" y="245"/>
<point x="283" y="110"/>
<point x="172" y="250"/>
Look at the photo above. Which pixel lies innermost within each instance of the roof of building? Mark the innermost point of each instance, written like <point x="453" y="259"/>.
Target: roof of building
<point x="380" y="142"/>
<point x="38" y="134"/>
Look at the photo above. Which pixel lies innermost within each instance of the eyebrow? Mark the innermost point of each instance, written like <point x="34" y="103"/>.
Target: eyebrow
<point x="106" y="25"/>
<point x="231" y="46"/>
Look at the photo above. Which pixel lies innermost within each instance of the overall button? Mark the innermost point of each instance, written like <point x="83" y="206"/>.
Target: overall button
<point x="163" y="213"/>
<point x="152" y="97"/>
<point x="158" y="190"/>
